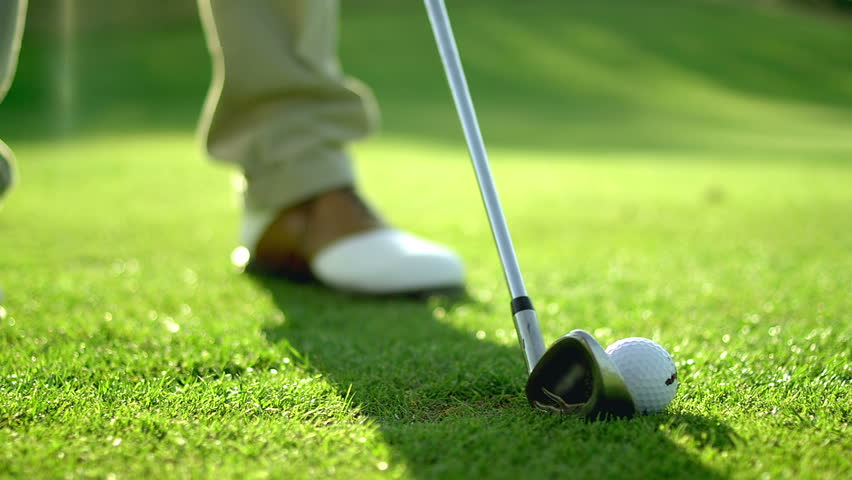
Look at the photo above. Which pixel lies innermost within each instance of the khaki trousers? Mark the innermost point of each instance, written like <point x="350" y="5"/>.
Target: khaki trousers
<point x="279" y="105"/>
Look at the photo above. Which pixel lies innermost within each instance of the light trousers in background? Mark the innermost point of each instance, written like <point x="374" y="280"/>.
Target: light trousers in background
<point x="11" y="27"/>
<point x="279" y="105"/>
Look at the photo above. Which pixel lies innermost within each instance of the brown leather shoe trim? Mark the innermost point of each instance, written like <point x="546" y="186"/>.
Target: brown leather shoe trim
<point x="299" y="232"/>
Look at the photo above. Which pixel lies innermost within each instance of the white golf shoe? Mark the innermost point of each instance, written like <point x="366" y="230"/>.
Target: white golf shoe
<point x="387" y="261"/>
<point x="364" y="257"/>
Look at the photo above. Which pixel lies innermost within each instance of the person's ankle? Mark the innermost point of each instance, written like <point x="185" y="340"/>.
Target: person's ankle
<point x="300" y="231"/>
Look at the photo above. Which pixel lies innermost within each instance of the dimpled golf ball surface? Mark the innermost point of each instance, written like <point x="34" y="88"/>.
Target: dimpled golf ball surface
<point x="648" y="370"/>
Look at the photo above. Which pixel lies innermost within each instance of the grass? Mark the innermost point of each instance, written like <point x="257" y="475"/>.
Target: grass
<point x="694" y="191"/>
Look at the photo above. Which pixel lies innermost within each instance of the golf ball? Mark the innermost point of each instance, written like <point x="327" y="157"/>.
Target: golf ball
<point x="648" y="370"/>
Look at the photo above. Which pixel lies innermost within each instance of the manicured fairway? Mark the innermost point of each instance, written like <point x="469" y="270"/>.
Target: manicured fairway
<point x="710" y="211"/>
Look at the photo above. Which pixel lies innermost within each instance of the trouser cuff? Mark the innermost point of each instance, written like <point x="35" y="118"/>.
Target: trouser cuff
<point x="296" y="181"/>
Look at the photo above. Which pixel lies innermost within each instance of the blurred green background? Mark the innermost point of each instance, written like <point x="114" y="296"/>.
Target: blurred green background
<point x="666" y="75"/>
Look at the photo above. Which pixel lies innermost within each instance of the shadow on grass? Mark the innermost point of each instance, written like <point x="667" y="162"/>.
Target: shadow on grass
<point x="451" y="405"/>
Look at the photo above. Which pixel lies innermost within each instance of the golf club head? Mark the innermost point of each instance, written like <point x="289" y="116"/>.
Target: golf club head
<point x="576" y="377"/>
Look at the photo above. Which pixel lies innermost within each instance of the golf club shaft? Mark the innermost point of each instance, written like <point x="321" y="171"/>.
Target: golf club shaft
<point x="526" y="323"/>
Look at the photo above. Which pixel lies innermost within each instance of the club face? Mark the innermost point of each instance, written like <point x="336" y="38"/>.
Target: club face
<point x="576" y="377"/>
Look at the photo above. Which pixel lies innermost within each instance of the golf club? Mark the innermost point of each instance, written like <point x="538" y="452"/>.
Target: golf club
<point x="575" y="375"/>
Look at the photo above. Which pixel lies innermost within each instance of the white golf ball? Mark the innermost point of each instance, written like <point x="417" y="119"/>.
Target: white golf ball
<point x="648" y="371"/>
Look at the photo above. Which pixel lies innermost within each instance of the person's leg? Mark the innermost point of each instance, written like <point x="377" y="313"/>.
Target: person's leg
<point x="12" y="14"/>
<point x="281" y="109"/>
<point x="280" y="106"/>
